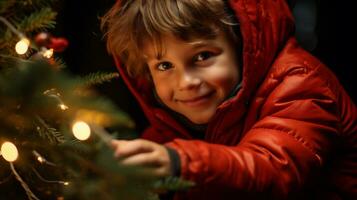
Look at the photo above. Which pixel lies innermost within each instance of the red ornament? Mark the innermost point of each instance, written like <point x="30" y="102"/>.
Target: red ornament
<point x="58" y="44"/>
<point x="42" y="39"/>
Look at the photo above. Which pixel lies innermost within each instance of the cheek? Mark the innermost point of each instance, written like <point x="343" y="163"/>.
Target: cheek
<point x="223" y="79"/>
<point x="163" y="91"/>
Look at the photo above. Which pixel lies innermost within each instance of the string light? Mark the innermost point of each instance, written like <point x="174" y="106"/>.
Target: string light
<point x="24" y="185"/>
<point x="81" y="130"/>
<point x="22" y="46"/>
<point x="41" y="159"/>
<point x="63" y="106"/>
<point x="24" y="43"/>
<point x="9" y="151"/>
<point x="48" y="53"/>
<point x="49" y="181"/>
<point x="56" y="95"/>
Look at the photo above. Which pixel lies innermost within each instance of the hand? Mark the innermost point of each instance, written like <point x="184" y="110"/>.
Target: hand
<point x="143" y="153"/>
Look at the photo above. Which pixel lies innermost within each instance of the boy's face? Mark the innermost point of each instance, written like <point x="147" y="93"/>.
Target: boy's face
<point x="194" y="78"/>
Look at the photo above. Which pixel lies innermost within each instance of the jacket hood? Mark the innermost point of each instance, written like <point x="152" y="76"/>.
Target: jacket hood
<point x="265" y="27"/>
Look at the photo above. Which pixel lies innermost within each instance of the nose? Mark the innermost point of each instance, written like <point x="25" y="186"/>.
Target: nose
<point x="188" y="79"/>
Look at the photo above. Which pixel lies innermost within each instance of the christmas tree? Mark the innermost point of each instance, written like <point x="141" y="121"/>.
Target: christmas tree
<point x="54" y="130"/>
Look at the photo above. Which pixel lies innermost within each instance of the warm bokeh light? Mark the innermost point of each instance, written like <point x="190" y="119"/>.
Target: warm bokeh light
<point x="40" y="159"/>
<point x="81" y="130"/>
<point x="9" y="151"/>
<point x="48" y="53"/>
<point x="22" y="46"/>
<point x="63" y="106"/>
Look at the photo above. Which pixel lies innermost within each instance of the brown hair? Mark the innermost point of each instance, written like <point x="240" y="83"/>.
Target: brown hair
<point x="130" y="23"/>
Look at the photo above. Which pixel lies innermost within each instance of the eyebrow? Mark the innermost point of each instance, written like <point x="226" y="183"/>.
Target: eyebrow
<point x="158" y="55"/>
<point x="200" y="43"/>
<point x="195" y="44"/>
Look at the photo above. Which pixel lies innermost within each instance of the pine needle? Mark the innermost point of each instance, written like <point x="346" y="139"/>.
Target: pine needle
<point x="47" y="132"/>
<point x="98" y="78"/>
<point x="172" y="183"/>
<point x="42" y="19"/>
<point x="6" y="4"/>
<point x="39" y="3"/>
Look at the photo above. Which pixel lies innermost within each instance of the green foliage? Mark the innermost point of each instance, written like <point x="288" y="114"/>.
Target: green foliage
<point x="28" y="16"/>
<point x="40" y="20"/>
<point x="5" y="5"/>
<point x="98" y="78"/>
<point x="27" y="109"/>
<point x="172" y="183"/>
<point x="36" y="88"/>
<point x="39" y="104"/>
<point x="45" y="131"/>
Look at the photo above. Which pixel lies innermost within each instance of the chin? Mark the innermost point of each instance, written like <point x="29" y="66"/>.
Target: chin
<point x="199" y="120"/>
<point x="200" y="117"/>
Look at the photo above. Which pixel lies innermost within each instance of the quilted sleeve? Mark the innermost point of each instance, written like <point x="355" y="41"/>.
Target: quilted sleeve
<point x="293" y="135"/>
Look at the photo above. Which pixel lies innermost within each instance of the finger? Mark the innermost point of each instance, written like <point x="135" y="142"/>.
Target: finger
<point x="150" y="162"/>
<point x="130" y="148"/>
<point x="115" y="143"/>
<point x="161" y="171"/>
<point x="158" y="172"/>
<point x="141" y="160"/>
<point x="116" y="146"/>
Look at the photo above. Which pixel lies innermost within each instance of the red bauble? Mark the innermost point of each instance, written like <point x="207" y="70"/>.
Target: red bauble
<point x="58" y="44"/>
<point x="42" y="39"/>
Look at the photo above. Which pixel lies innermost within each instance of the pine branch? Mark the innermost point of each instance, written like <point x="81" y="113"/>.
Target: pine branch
<point x="5" y="5"/>
<point x="47" y="132"/>
<point x="75" y="146"/>
<point x="172" y="183"/>
<point x="7" y="36"/>
<point x="6" y="62"/>
<point x="152" y="196"/>
<point x="24" y="185"/>
<point x="39" y="20"/>
<point x="28" y="110"/>
<point x="98" y="78"/>
<point x="41" y="3"/>
<point x="102" y="111"/>
<point x="60" y="63"/>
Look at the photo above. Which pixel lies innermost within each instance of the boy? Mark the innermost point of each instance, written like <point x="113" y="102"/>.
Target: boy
<point x="235" y="105"/>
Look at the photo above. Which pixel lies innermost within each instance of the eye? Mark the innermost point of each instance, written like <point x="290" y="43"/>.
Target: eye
<point x="203" y="56"/>
<point x="163" y="66"/>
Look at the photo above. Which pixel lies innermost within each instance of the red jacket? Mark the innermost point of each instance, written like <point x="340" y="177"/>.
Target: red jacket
<point x="290" y="132"/>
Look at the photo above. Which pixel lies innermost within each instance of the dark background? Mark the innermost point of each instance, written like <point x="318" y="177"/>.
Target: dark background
<point x="333" y="43"/>
<point x="79" y="22"/>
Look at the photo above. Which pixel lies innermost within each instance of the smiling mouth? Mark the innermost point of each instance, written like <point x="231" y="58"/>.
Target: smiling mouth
<point x="197" y="101"/>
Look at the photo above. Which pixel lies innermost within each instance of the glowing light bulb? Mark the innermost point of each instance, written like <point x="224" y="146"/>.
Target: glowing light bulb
<point x="22" y="46"/>
<point x="48" y="53"/>
<point x="81" y="130"/>
<point x="40" y="159"/>
<point x="66" y="183"/>
<point x="9" y="151"/>
<point x="63" y="106"/>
